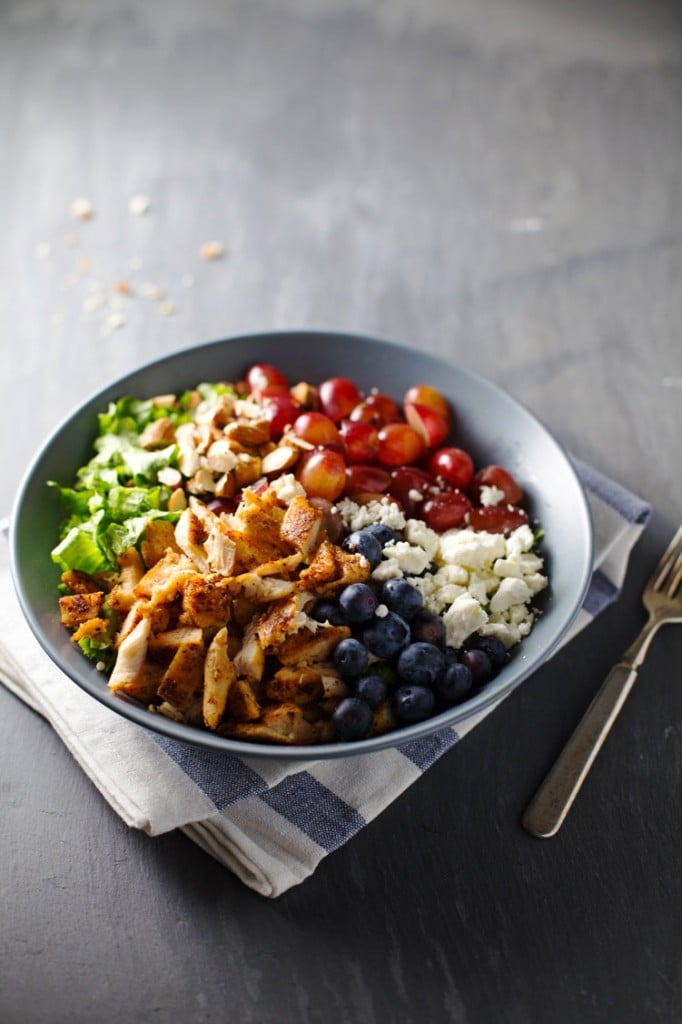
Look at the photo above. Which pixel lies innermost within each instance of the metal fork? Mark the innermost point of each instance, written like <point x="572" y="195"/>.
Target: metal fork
<point x="662" y="599"/>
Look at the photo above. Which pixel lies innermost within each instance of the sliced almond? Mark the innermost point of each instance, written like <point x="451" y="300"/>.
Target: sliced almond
<point x="253" y="433"/>
<point x="279" y="459"/>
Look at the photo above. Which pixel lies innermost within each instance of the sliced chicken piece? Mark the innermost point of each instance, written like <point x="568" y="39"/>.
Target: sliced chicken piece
<point x="243" y="703"/>
<point x="264" y="590"/>
<point x="158" y="538"/>
<point x="165" y="646"/>
<point x="303" y="526"/>
<point x="282" y="619"/>
<point x="206" y="601"/>
<point x="182" y="681"/>
<point x="93" y="628"/>
<point x="308" y="646"/>
<point x="131" y="656"/>
<point x="131" y="570"/>
<point x="164" y="581"/>
<point x="79" y="582"/>
<point x="250" y="660"/>
<point x="77" y="608"/>
<point x="219" y="675"/>
<point x="204" y="538"/>
<point x="283" y="724"/>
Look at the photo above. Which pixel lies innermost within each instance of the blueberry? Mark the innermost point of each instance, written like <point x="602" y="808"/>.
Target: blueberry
<point x="352" y="719"/>
<point x="454" y="685"/>
<point x="401" y="597"/>
<point x="325" y="610"/>
<point x="384" y="534"/>
<point x="495" y="650"/>
<point x="413" y="703"/>
<point x="385" y="637"/>
<point x="429" y="628"/>
<point x="358" y="602"/>
<point x="479" y="665"/>
<point x="362" y="542"/>
<point x="350" y="657"/>
<point x="372" y="688"/>
<point x="421" y="664"/>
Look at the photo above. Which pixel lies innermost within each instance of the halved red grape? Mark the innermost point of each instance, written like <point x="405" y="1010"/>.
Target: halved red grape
<point x="446" y="511"/>
<point x="338" y="396"/>
<point x="497" y="518"/>
<point x="453" y="465"/>
<point x="429" y="424"/>
<point x="360" y="441"/>
<point x="424" y="394"/>
<point x="399" y="445"/>
<point x="496" y="476"/>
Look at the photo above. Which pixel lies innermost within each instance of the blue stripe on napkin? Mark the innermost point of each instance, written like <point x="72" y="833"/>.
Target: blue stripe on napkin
<point x="315" y="810"/>
<point x="224" y="779"/>
<point x="628" y="505"/>
<point x="601" y="593"/>
<point x="423" y="752"/>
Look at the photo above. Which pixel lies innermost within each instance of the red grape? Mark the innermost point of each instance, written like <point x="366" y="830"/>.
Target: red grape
<point x="495" y="476"/>
<point x="423" y="394"/>
<point x="360" y="441"/>
<point x="497" y="518"/>
<point x="453" y="465"/>
<point x="316" y="428"/>
<point x="399" y="445"/>
<point x="338" y="396"/>
<point x="263" y="375"/>
<point x="378" y="409"/>
<point x="411" y="485"/>
<point x="322" y="473"/>
<point x="429" y="424"/>
<point x="446" y="511"/>
<point x="367" y="478"/>
<point x="281" y="410"/>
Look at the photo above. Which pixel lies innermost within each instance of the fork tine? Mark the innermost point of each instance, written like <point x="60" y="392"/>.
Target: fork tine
<point x="677" y="578"/>
<point x="668" y="562"/>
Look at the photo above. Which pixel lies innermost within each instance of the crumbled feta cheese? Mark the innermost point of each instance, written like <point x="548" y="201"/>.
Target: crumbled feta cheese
<point x="412" y="560"/>
<point x="511" y="591"/>
<point x="379" y="511"/>
<point x="519" y="541"/>
<point x="491" y="496"/>
<point x="417" y="532"/>
<point x="387" y="569"/>
<point x="415" y="495"/>
<point x="287" y="488"/>
<point x="470" y="549"/>
<point x="464" y="617"/>
<point x="381" y="611"/>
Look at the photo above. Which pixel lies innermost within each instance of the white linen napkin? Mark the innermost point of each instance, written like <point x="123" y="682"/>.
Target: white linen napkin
<point x="270" y="823"/>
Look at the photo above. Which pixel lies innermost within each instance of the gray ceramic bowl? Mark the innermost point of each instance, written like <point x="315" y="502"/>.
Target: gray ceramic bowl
<point x="489" y="423"/>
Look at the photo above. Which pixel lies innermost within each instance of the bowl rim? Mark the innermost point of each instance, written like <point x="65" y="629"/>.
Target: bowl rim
<point x="94" y="684"/>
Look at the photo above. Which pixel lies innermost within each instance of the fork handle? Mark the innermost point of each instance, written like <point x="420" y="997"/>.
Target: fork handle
<point x="550" y="805"/>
